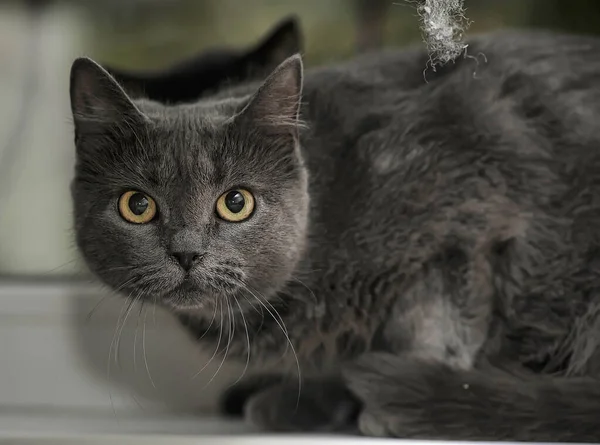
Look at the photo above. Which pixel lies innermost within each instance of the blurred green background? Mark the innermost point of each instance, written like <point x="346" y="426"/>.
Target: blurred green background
<point x="39" y="39"/>
<point x="151" y="33"/>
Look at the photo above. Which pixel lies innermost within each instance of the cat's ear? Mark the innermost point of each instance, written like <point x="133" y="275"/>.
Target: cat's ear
<point x="97" y="98"/>
<point x="275" y="107"/>
<point x="284" y="40"/>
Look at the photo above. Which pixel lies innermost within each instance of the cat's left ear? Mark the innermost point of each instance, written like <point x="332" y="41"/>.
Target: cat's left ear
<point x="97" y="98"/>
<point x="275" y="107"/>
<point x="284" y="40"/>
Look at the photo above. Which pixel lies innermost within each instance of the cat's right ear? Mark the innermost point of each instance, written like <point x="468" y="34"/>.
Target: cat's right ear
<point x="275" y="107"/>
<point x="97" y="98"/>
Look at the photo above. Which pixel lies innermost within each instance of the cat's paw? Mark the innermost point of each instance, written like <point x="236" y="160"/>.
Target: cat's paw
<point x="410" y="398"/>
<point x="366" y="377"/>
<point x="322" y="406"/>
<point x="371" y="376"/>
<point x="234" y="399"/>
<point x="373" y="425"/>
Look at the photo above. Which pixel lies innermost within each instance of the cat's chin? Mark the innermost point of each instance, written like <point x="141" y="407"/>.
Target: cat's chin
<point x="191" y="295"/>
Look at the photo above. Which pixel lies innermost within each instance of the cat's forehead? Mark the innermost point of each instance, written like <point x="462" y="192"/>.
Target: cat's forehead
<point x="183" y="129"/>
<point x="205" y="113"/>
<point x="182" y="149"/>
<point x="188" y="144"/>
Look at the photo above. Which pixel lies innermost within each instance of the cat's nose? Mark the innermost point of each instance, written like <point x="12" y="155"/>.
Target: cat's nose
<point x="187" y="260"/>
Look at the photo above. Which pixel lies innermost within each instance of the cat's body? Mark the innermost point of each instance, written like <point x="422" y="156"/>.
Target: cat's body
<point x="204" y="73"/>
<point x="450" y="225"/>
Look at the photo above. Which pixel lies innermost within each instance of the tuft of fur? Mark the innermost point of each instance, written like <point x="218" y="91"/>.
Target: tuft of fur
<point x="443" y="25"/>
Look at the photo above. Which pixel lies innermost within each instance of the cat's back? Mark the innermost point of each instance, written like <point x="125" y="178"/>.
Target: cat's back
<point x="535" y="94"/>
<point x="496" y="66"/>
<point x="514" y="121"/>
<point x="496" y="156"/>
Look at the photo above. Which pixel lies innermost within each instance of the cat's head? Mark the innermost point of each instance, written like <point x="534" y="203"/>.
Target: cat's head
<point x="188" y="205"/>
<point x="214" y="68"/>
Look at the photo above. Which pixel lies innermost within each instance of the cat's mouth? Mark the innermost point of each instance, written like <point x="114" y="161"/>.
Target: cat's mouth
<point x="177" y="290"/>
<point x="197" y="293"/>
<point x="188" y="294"/>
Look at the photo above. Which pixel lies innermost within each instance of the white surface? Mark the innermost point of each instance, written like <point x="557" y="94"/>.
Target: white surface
<point x="54" y="386"/>
<point x="54" y="382"/>
<point x="70" y="422"/>
<point x="69" y="427"/>
<point x="58" y="346"/>
<point x="195" y="440"/>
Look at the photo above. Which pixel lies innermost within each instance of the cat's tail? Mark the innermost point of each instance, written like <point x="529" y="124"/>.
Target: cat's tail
<point x="432" y="401"/>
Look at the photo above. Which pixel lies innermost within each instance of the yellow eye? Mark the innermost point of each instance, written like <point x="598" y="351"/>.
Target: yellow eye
<point x="235" y="205"/>
<point x="137" y="207"/>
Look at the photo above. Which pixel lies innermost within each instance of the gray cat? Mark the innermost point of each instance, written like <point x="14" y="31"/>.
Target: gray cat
<point x="428" y="250"/>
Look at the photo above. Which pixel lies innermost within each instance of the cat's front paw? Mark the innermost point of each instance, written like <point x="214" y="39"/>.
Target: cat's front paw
<point x="319" y="406"/>
<point x="373" y="425"/>
<point x="409" y="398"/>
<point x="368" y="379"/>
<point x="234" y="400"/>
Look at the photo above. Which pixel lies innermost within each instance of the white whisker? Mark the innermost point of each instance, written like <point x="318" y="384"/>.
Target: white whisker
<point x="231" y="324"/>
<point x="307" y="288"/>
<point x="218" y="343"/>
<point x="144" y="349"/>
<point x="247" y="344"/>
<point x="137" y="326"/>
<point x="212" y="320"/>
<point x="289" y="341"/>
<point x="95" y="308"/>
<point x="118" y="343"/>
<point x="112" y="343"/>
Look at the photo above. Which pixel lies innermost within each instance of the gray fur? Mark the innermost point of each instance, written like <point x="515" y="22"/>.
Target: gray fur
<point x="449" y="225"/>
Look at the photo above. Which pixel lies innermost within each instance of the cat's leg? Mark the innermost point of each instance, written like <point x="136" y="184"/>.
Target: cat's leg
<point x="235" y="398"/>
<point x="323" y="405"/>
<point x="399" y="393"/>
<point x="439" y="323"/>
<point x="444" y="312"/>
<point x="446" y="321"/>
<point x="443" y="316"/>
<point x="430" y="400"/>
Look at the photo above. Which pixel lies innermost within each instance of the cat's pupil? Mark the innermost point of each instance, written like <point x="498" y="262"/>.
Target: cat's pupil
<point x="138" y="203"/>
<point x="235" y="201"/>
